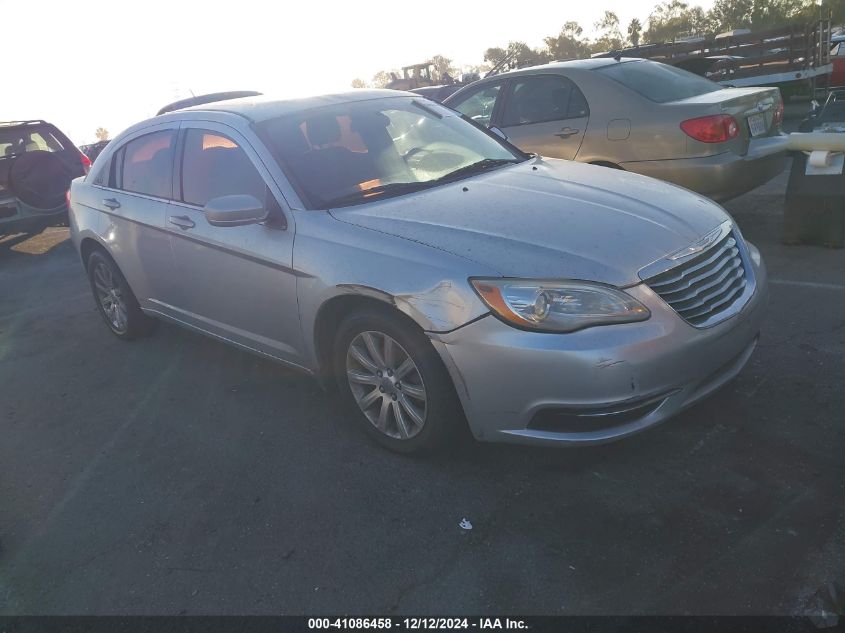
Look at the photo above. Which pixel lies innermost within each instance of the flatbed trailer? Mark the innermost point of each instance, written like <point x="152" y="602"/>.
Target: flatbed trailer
<point x="793" y="58"/>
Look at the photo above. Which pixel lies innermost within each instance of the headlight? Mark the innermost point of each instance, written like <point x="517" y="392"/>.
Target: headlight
<point x="558" y="306"/>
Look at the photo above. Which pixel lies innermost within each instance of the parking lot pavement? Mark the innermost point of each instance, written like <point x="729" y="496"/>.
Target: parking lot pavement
<point x="176" y="475"/>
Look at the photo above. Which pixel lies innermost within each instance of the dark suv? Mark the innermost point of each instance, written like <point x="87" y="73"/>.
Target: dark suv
<point x="37" y="163"/>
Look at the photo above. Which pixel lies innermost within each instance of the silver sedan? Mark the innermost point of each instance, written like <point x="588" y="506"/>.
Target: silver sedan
<point x="640" y="116"/>
<point x="430" y="272"/>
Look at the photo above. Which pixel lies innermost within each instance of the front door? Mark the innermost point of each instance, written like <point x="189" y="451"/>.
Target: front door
<point x="546" y="115"/>
<point x="235" y="282"/>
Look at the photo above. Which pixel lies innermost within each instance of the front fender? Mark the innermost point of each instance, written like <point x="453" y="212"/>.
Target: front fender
<point x="335" y="259"/>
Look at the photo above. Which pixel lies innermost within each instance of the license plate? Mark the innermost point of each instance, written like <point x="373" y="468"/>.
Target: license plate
<point x="757" y="124"/>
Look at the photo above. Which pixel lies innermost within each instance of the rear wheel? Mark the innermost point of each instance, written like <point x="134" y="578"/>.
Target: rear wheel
<point x="115" y="301"/>
<point x="394" y="382"/>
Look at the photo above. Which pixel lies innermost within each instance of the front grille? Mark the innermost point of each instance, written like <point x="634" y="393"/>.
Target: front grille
<point x="706" y="286"/>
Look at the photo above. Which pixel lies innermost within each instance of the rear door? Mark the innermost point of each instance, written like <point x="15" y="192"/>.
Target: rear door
<point x="235" y="282"/>
<point x="132" y="190"/>
<point x="545" y="114"/>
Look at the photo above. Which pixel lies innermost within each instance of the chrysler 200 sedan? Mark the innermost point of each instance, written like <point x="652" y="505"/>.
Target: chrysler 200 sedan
<point x="432" y="272"/>
<point x="637" y="115"/>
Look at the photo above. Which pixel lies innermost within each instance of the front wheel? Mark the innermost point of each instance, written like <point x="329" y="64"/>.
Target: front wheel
<point x="115" y="301"/>
<point x="394" y="382"/>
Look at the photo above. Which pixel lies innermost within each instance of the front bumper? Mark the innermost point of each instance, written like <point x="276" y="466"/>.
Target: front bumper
<point x="723" y="176"/>
<point x="598" y="384"/>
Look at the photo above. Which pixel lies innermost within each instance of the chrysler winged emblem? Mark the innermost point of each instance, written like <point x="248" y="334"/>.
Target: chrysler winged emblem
<point x="697" y="246"/>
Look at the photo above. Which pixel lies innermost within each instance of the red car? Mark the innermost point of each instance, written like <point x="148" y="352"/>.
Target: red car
<point x="837" y="57"/>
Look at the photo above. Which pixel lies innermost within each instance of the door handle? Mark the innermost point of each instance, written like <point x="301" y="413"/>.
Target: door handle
<point x="111" y="203"/>
<point x="182" y="221"/>
<point x="567" y="132"/>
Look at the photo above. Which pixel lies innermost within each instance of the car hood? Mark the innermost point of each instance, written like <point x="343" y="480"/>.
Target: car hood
<point x="548" y="218"/>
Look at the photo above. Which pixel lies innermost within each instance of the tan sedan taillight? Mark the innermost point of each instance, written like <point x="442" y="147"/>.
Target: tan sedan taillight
<point x="716" y="128"/>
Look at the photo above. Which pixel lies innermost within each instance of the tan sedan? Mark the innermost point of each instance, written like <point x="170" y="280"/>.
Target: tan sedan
<point x="638" y="115"/>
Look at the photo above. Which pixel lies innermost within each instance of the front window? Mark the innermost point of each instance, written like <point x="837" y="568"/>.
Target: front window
<point x="367" y="150"/>
<point x="479" y="104"/>
<point x="658" y="82"/>
<point x="213" y="165"/>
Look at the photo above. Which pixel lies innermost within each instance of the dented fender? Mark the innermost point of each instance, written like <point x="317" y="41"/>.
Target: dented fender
<point x="334" y="259"/>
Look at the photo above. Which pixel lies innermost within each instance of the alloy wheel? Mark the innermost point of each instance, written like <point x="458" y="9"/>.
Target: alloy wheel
<point x="386" y="384"/>
<point x="110" y="297"/>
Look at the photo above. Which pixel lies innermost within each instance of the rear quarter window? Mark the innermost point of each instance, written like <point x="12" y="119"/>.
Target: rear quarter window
<point x="658" y="82"/>
<point x="19" y="140"/>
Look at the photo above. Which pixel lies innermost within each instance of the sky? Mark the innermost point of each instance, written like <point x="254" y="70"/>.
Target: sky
<point x="111" y="63"/>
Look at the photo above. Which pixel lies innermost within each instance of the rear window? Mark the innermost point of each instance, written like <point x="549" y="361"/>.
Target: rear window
<point x="19" y="140"/>
<point x="146" y="164"/>
<point x="659" y="82"/>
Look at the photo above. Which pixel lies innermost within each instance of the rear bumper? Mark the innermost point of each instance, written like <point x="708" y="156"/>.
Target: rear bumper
<point x="18" y="218"/>
<point x="598" y="384"/>
<point x="723" y="176"/>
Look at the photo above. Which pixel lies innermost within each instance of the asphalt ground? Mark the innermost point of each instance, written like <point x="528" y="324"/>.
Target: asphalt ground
<point x="175" y="475"/>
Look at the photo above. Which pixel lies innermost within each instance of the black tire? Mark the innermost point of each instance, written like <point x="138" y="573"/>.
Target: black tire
<point x="443" y="416"/>
<point x="136" y="323"/>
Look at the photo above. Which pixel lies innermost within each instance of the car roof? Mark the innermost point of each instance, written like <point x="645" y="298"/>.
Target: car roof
<point x="585" y="64"/>
<point x="258" y="109"/>
<point x="572" y="64"/>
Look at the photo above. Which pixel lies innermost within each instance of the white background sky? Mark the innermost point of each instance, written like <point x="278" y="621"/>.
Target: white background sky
<point x="111" y="63"/>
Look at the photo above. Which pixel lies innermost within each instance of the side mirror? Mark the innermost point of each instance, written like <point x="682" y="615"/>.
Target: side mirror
<point x="236" y="210"/>
<point x="499" y="133"/>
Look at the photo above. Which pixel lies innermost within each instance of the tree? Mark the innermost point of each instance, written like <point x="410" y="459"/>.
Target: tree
<point x="442" y="66"/>
<point x="568" y="43"/>
<point x="673" y="19"/>
<point x="382" y="78"/>
<point x="359" y="83"/>
<point x="495" y="55"/>
<point x="610" y="37"/>
<point x="520" y="55"/>
<point x="754" y="14"/>
<point x="102" y="134"/>
<point x="635" y="29"/>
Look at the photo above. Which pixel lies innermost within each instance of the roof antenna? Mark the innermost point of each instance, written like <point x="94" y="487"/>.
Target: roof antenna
<point x="617" y="55"/>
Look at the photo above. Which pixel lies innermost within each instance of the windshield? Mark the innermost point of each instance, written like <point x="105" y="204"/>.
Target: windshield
<point x="360" y="151"/>
<point x="659" y="82"/>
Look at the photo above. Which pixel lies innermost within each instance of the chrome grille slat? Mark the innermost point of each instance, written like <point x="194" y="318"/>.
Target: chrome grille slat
<point x="713" y="302"/>
<point x="711" y="269"/>
<point x="694" y="264"/>
<point x="705" y="286"/>
<point x="724" y="301"/>
<point x="709" y="292"/>
<point x="703" y="283"/>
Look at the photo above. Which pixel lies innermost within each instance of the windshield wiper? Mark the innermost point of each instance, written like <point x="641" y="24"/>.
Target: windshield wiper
<point x="399" y="188"/>
<point x="394" y="188"/>
<point x="477" y="167"/>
